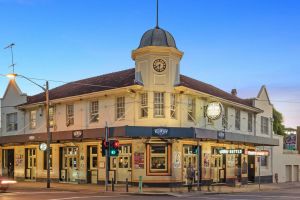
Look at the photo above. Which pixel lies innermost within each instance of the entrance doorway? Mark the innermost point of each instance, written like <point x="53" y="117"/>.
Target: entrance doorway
<point x="92" y="164"/>
<point x="69" y="167"/>
<point x="190" y="156"/>
<point x="121" y="165"/>
<point x="30" y="163"/>
<point x="8" y="163"/>
<point x="251" y="168"/>
<point x="218" y="165"/>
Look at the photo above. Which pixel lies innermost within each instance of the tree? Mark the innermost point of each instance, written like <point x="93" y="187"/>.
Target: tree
<point x="278" y="126"/>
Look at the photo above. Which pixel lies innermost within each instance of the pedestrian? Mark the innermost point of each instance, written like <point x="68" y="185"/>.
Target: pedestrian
<point x="276" y="177"/>
<point x="190" y="174"/>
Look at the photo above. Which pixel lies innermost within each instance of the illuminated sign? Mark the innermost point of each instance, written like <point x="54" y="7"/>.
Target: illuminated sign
<point x="231" y="151"/>
<point x="257" y="153"/>
<point x="160" y="132"/>
<point x="214" y="110"/>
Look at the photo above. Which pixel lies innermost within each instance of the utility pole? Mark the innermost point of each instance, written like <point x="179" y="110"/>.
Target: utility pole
<point x="259" y="172"/>
<point x="48" y="134"/>
<point x="106" y="157"/>
<point x="198" y="165"/>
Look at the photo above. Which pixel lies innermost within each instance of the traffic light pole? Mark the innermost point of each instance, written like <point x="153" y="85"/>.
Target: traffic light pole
<point x="106" y="158"/>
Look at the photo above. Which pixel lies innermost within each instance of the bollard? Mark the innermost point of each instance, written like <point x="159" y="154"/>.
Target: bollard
<point x="112" y="185"/>
<point x="126" y="184"/>
<point x="140" y="184"/>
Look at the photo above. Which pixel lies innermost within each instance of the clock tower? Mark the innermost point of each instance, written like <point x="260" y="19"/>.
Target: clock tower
<point x="157" y="61"/>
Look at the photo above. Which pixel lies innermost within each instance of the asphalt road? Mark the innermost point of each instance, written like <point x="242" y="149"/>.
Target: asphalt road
<point x="64" y="195"/>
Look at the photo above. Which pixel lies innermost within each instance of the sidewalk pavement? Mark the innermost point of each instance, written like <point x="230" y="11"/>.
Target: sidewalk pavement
<point x="179" y="191"/>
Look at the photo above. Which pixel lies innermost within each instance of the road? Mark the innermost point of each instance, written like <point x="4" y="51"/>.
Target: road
<point x="65" y="195"/>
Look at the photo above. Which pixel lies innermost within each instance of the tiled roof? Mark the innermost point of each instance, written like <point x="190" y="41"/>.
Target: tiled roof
<point x="122" y="79"/>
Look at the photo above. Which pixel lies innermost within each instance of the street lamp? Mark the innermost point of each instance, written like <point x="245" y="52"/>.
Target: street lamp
<point x="46" y="90"/>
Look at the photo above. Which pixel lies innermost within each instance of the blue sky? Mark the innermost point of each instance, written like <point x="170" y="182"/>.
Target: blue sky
<point x="239" y="44"/>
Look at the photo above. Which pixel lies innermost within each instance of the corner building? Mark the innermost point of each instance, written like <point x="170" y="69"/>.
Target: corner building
<point x="157" y="114"/>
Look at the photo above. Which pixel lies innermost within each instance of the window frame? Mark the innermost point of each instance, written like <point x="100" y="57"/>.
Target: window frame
<point x="264" y="125"/>
<point x="173" y="106"/>
<point x="158" y="104"/>
<point x="51" y="116"/>
<point x="12" y="122"/>
<point x="94" y="111"/>
<point x="32" y="119"/>
<point x="237" y="121"/>
<point x="166" y="155"/>
<point x="250" y="122"/>
<point x="70" y="118"/>
<point x="144" y="105"/>
<point x="191" y="109"/>
<point x="120" y="108"/>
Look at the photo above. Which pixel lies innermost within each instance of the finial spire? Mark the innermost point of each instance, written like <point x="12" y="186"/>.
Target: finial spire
<point x="12" y="56"/>
<point x="157" y="14"/>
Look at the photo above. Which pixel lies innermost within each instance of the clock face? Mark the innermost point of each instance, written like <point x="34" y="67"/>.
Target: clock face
<point x="159" y="65"/>
<point x="43" y="147"/>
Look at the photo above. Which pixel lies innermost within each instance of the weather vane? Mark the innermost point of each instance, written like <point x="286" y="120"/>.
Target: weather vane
<point x="12" y="56"/>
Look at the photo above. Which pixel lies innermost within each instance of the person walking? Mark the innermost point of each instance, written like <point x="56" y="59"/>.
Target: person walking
<point x="190" y="174"/>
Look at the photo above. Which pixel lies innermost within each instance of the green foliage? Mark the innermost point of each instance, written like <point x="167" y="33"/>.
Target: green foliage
<point x="278" y="126"/>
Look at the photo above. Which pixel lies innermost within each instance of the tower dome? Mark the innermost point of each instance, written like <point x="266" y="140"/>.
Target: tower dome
<point x="157" y="37"/>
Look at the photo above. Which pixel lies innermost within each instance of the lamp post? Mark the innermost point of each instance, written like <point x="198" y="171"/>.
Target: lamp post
<point x="46" y="90"/>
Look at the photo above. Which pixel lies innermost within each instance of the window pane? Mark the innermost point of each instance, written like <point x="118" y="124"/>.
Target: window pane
<point x="158" y="149"/>
<point x="144" y="105"/>
<point x="94" y="111"/>
<point x="94" y="160"/>
<point x="159" y="104"/>
<point x="158" y="163"/>
<point x="120" y="107"/>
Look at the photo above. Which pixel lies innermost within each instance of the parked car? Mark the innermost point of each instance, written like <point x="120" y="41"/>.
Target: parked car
<point x="5" y="182"/>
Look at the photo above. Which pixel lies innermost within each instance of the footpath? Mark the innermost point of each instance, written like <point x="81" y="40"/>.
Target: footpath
<point x="132" y="190"/>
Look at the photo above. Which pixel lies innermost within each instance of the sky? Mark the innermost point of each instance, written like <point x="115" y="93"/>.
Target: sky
<point x="240" y="44"/>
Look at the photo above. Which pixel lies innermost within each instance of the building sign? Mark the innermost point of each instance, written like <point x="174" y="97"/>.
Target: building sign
<point x="231" y="151"/>
<point x="257" y="153"/>
<point x="139" y="160"/>
<point x="290" y="142"/>
<point x="214" y="110"/>
<point x="221" y="135"/>
<point x="43" y="146"/>
<point x="77" y="134"/>
<point x="160" y="132"/>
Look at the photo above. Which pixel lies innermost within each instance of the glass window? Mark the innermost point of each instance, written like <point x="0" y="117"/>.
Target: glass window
<point x="250" y="122"/>
<point x="158" y="158"/>
<point x="93" y="157"/>
<point x="70" y="114"/>
<point x="225" y="118"/>
<point x="94" y="111"/>
<point x="191" y="108"/>
<point x="159" y="104"/>
<point x="51" y="116"/>
<point x="264" y="125"/>
<point x="264" y="161"/>
<point x="173" y="106"/>
<point x="237" y="119"/>
<point x="12" y="122"/>
<point x="32" y="118"/>
<point x="125" y="156"/>
<point x="144" y="105"/>
<point x="120" y="108"/>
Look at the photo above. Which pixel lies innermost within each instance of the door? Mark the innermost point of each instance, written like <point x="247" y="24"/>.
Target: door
<point x="296" y="173"/>
<point x="190" y="156"/>
<point x="30" y="165"/>
<point x="251" y="168"/>
<point x="8" y="163"/>
<point x="217" y="165"/>
<point x="288" y="173"/>
<point x="92" y="164"/>
<point x="70" y="164"/>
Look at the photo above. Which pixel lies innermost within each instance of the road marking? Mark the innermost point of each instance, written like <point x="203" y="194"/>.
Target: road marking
<point x="87" y="197"/>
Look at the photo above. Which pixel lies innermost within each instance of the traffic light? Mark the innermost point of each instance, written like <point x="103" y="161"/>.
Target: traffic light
<point x="114" y="148"/>
<point x="195" y="149"/>
<point x="104" y="147"/>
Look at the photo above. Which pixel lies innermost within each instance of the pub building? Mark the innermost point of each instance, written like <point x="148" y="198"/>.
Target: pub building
<point x="158" y="115"/>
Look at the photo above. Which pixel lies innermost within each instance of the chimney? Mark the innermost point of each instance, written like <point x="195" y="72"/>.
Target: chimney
<point x="234" y="92"/>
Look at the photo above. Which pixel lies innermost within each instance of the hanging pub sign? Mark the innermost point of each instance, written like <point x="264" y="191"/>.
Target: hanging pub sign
<point x="257" y="153"/>
<point x="43" y="146"/>
<point x="231" y="151"/>
<point x="77" y="134"/>
<point x="213" y="110"/>
<point x="160" y="132"/>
